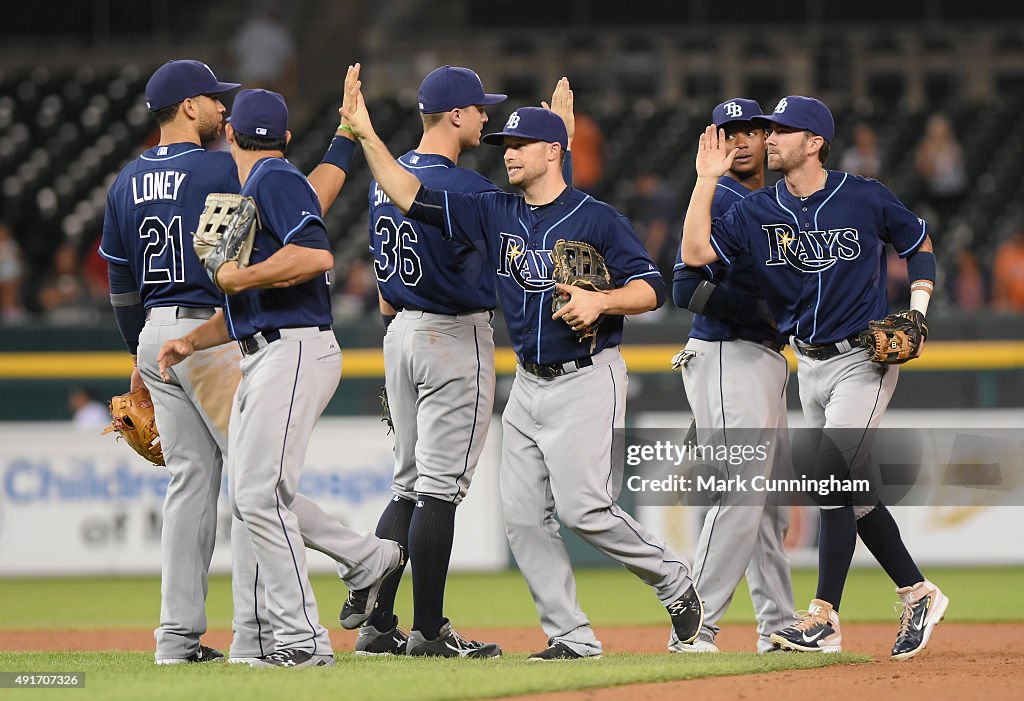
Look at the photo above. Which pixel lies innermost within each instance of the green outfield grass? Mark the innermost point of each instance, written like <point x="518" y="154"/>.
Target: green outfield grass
<point x="609" y="596"/>
<point x="134" y="676"/>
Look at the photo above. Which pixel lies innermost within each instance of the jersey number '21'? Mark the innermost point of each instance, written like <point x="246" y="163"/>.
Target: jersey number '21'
<point x="396" y="252"/>
<point x="162" y="259"/>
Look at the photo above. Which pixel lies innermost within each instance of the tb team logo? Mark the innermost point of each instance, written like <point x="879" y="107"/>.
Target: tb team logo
<point x="781" y="107"/>
<point x="513" y="121"/>
<point x="530" y="269"/>
<point x="733" y="110"/>
<point x="810" y="251"/>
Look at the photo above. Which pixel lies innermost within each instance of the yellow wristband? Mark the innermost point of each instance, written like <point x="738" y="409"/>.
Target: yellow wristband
<point x="345" y="127"/>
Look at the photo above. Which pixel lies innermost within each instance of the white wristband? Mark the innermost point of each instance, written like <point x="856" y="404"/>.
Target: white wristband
<point x="919" y="300"/>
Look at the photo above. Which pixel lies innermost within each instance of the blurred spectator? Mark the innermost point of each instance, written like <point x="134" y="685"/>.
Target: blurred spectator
<point x="967" y="284"/>
<point x="656" y="218"/>
<point x="11" y="271"/>
<point x="86" y="411"/>
<point x="1008" y="273"/>
<point x="940" y="163"/>
<point x="358" y="296"/>
<point x="898" y="281"/>
<point x="587" y="161"/>
<point x="64" y="296"/>
<point x="862" y="157"/>
<point x="263" y="51"/>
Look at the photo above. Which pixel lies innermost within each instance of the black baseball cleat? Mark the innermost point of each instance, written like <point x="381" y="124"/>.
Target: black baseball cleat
<point x="449" y="643"/>
<point x="360" y="603"/>
<point x="203" y="654"/>
<point x="921" y="608"/>
<point x="816" y="630"/>
<point x="687" y="614"/>
<point x="290" y="657"/>
<point x="558" y="652"/>
<point x="374" y="642"/>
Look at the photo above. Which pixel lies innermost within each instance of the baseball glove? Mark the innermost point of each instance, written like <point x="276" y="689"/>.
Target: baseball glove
<point x="895" y="339"/>
<point x="227" y="227"/>
<point x="133" y="419"/>
<point x="385" y="410"/>
<point x="580" y="264"/>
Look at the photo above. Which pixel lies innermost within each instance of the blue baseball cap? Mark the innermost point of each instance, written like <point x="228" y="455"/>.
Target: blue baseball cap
<point x="449" y="87"/>
<point x="737" y="109"/>
<point x="176" y="80"/>
<point x="801" y="112"/>
<point x="259" y="113"/>
<point x="534" y="123"/>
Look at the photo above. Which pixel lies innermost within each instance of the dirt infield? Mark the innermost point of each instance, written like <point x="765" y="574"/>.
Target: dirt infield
<point x="964" y="661"/>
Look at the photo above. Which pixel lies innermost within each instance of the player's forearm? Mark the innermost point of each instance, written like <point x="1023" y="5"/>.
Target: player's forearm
<point x="329" y="176"/>
<point x="695" y="247"/>
<point x="213" y="332"/>
<point x="921" y="269"/>
<point x="636" y="297"/>
<point x="327" y="180"/>
<point x="398" y="184"/>
<point x="292" y="265"/>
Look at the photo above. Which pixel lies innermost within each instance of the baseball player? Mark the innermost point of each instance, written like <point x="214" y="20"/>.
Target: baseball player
<point x="555" y="456"/>
<point x="735" y="379"/>
<point x="159" y="290"/>
<point x="296" y="269"/>
<point x="818" y="240"/>
<point x="439" y="362"/>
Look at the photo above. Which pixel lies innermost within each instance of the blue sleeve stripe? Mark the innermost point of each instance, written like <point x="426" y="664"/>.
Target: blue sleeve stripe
<point x="920" y="240"/>
<point x="735" y="192"/>
<point x="640" y="275"/>
<point x="167" y="158"/>
<point x="301" y="224"/>
<point x="725" y="258"/>
<point x="679" y="266"/>
<point x="447" y="215"/>
<point x="111" y="258"/>
<point x="231" y="322"/>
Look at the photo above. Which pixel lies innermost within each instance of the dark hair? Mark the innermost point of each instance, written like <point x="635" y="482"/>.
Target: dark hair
<point x="167" y="114"/>
<point x="823" y="151"/>
<point x="247" y="142"/>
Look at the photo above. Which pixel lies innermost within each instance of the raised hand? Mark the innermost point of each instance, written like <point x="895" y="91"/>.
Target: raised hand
<point x="561" y="104"/>
<point x="714" y="157"/>
<point x="353" y="106"/>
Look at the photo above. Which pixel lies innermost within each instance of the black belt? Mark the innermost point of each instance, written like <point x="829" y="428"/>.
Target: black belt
<point x="556" y="369"/>
<point x="824" y="351"/>
<point x="767" y="343"/>
<point x="188" y="312"/>
<point x="251" y="344"/>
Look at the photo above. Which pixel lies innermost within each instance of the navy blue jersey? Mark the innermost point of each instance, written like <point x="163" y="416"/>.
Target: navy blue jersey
<point x="152" y="212"/>
<point x="741" y="277"/>
<point x="519" y="238"/>
<point x="289" y="213"/>
<point x="418" y="269"/>
<point x="821" y="259"/>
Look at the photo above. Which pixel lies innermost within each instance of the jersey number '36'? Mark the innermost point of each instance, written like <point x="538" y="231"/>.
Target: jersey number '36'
<point x="396" y="252"/>
<point x="162" y="260"/>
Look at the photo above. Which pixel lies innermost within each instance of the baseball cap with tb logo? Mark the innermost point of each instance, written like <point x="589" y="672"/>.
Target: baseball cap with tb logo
<point x="534" y="123"/>
<point x="799" y="112"/>
<point x="737" y="109"/>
